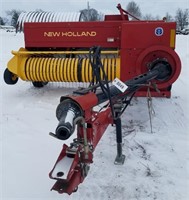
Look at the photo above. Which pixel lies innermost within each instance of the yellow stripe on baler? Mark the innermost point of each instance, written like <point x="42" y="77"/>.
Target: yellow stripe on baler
<point x="47" y="71"/>
<point x="53" y="69"/>
<point x="35" y="67"/>
<point x="58" y="69"/>
<point x="117" y="67"/>
<point x="52" y="66"/>
<point x="41" y="69"/>
<point x="26" y="69"/>
<point x="109" y="69"/>
<point x="56" y="60"/>
<point x="75" y="70"/>
<point x="44" y="70"/>
<point x="112" y="69"/>
<point x="65" y="70"/>
<point x="83" y="70"/>
<point x="61" y="69"/>
<point x="38" y="69"/>
<point x="172" y="38"/>
<point x="90" y="73"/>
<point x="69" y="66"/>
<point x="87" y="71"/>
<point x="73" y="78"/>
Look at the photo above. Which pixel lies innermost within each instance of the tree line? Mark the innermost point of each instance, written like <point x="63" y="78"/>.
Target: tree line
<point x="90" y="14"/>
<point x="181" y="17"/>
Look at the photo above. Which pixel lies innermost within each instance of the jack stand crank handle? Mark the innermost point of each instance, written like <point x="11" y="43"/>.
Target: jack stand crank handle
<point x="120" y="158"/>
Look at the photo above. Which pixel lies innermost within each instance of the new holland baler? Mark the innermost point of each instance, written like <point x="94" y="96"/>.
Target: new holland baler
<point x="58" y="51"/>
<point x="140" y="53"/>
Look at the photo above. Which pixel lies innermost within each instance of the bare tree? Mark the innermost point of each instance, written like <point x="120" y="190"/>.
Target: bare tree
<point x="2" y="21"/>
<point x="182" y="18"/>
<point x="5" y="20"/>
<point x="14" y="16"/>
<point x="14" y="19"/>
<point x="148" y="17"/>
<point x="157" y="17"/>
<point x="168" y="17"/>
<point x="134" y="9"/>
<point x="90" y="15"/>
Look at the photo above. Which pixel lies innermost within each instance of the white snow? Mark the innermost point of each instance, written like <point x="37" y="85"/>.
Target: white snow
<point x="156" y="166"/>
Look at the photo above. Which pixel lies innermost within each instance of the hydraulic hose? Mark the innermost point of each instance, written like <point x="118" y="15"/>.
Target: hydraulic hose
<point x="68" y="110"/>
<point x="160" y="72"/>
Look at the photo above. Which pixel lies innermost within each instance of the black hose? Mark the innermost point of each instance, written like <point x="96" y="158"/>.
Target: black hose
<point x="160" y="71"/>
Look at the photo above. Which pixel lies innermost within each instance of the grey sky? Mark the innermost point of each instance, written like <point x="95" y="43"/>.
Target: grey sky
<point x="154" y="7"/>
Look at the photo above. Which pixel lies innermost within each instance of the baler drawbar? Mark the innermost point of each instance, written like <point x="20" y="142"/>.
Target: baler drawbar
<point x="76" y="113"/>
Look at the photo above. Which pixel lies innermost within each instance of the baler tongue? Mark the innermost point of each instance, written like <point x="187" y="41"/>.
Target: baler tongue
<point x="70" y="168"/>
<point x="77" y="110"/>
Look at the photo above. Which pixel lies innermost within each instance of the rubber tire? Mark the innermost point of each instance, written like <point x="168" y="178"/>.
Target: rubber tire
<point x="9" y="77"/>
<point x="169" y="88"/>
<point x="39" y="84"/>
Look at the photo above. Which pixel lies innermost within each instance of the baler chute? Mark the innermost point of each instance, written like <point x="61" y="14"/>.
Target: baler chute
<point x="58" y="51"/>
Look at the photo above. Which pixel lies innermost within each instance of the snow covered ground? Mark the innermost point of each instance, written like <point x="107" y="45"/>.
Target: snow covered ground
<point x="157" y="164"/>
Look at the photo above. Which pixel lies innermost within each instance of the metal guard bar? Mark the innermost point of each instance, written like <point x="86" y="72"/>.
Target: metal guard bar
<point x="58" y="52"/>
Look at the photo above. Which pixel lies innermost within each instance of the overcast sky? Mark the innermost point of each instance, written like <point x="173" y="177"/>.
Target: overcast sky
<point x="154" y="7"/>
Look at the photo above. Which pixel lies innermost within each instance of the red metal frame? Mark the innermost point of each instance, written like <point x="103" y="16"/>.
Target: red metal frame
<point x="137" y="41"/>
<point x="73" y="163"/>
<point x="83" y="156"/>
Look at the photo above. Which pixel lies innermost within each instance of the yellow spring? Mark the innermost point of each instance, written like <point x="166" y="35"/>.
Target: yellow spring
<point x="67" y="69"/>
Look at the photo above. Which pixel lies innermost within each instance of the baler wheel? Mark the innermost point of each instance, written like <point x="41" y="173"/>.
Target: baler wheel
<point x="39" y="84"/>
<point x="169" y="88"/>
<point x="10" y="78"/>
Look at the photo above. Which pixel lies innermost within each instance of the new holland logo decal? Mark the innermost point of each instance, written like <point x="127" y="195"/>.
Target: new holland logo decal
<point x="70" y="34"/>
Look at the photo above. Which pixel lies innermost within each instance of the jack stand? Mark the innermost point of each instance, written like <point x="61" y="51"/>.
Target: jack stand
<point x="120" y="158"/>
